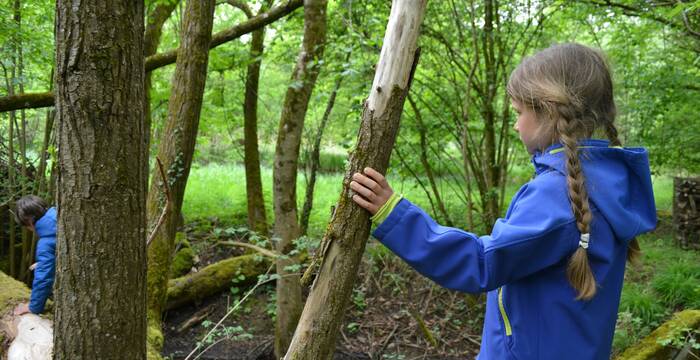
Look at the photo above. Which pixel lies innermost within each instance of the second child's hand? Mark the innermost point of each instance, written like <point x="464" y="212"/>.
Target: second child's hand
<point x="371" y="190"/>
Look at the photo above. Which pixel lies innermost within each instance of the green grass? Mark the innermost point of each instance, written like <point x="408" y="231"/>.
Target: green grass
<point x="216" y="190"/>
<point x="663" y="192"/>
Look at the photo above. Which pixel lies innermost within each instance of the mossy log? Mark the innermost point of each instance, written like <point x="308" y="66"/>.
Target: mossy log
<point x="215" y="278"/>
<point x="651" y="349"/>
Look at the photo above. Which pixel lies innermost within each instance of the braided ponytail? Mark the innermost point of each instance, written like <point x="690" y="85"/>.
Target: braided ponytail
<point x="579" y="271"/>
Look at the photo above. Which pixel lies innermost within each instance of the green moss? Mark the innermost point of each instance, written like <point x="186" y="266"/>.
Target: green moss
<point x="154" y="340"/>
<point x="649" y="348"/>
<point x="13" y="292"/>
<point x="184" y="258"/>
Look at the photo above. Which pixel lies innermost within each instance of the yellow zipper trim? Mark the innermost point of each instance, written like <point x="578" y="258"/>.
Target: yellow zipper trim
<point x="581" y="147"/>
<point x="506" y="322"/>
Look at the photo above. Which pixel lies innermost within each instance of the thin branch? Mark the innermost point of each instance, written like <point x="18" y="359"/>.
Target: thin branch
<point x="166" y="208"/>
<point x="263" y="251"/>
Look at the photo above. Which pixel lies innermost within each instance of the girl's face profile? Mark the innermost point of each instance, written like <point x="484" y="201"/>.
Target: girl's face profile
<point x="526" y="125"/>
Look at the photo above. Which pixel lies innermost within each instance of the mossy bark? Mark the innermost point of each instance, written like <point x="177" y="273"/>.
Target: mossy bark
<point x="286" y="228"/>
<point x="184" y="257"/>
<point x="215" y="278"/>
<point x="176" y="149"/>
<point x="100" y="288"/>
<point x="347" y="233"/>
<point x="650" y="349"/>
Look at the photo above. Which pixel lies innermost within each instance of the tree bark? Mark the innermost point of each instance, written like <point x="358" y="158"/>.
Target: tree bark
<point x="175" y="151"/>
<point x="151" y="39"/>
<point x="38" y="100"/>
<point x="286" y="229"/>
<point x="101" y="264"/>
<point x="346" y="235"/>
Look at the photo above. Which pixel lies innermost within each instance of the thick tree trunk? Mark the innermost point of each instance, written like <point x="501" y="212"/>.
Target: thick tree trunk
<point x="346" y="235"/>
<point x="38" y="100"/>
<point x="256" y="203"/>
<point x="175" y="151"/>
<point x="315" y="158"/>
<point x="100" y="291"/>
<point x="286" y="228"/>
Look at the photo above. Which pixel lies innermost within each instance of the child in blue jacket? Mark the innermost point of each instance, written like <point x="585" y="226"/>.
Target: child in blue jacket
<point x="34" y="214"/>
<point x="553" y="266"/>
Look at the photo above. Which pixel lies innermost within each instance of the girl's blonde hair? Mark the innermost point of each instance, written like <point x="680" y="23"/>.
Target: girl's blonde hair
<point x="570" y="89"/>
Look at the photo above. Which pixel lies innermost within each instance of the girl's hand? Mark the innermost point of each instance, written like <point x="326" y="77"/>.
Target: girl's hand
<point x="371" y="188"/>
<point x="32" y="267"/>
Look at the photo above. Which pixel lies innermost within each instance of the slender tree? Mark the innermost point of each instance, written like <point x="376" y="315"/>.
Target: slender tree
<point x="344" y="242"/>
<point x="286" y="229"/>
<point x="100" y="291"/>
<point x="256" y="203"/>
<point x="175" y="151"/>
<point x="151" y="38"/>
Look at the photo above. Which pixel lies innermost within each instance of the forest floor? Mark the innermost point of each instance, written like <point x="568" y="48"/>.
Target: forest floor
<point x="396" y="314"/>
<point x="388" y="303"/>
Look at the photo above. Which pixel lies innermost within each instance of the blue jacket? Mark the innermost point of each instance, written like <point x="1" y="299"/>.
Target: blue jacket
<point x="45" y="270"/>
<point x="531" y="311"/>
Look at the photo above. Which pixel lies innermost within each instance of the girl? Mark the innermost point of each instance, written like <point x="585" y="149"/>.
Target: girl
<point x="553" y="267"/>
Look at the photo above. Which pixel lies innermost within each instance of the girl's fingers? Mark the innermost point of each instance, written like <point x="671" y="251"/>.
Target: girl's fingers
<point x="376" y="176"/>
<point x="364" y="203"/>
<point x="367" y="182"/>
<point x="365" y="192"/>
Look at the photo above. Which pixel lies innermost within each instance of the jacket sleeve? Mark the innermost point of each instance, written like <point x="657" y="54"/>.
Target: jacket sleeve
<point x="43" y="277"/>
<point x="538" y="231"/>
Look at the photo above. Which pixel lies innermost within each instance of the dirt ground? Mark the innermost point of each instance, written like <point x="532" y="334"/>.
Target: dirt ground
<point x="393" y="314"/>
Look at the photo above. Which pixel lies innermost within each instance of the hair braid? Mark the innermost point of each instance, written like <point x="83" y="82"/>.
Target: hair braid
<point x="634" y="252"/>
<point x="579" y="270"/>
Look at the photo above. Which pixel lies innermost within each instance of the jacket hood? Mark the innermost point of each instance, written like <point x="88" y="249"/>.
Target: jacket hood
<point x="618" y="181"/>
<point x="46" y="226"/>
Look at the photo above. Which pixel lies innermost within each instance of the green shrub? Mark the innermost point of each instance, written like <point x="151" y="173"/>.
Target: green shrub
<point x="641" y="303"/>
<point x="679" y="284"/>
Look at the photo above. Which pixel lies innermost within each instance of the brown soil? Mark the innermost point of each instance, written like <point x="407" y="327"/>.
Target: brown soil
<point x="382" y="321"/>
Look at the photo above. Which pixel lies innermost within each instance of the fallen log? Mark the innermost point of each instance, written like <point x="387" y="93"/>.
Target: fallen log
<point x="651" y="347"/>
<point x="215" y="278"/>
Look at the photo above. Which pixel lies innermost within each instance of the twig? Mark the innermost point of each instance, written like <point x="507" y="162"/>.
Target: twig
<point x="195" y="319"/>
<point x="166" y="208"/>
<point x="234" y="308"/>
<point x="259" y="249"/>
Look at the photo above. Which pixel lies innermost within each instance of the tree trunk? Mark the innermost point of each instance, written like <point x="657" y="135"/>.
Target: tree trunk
<point x="286" y="228"/>
<point x="151" y="39"/>
<point x="315" y="158"/>
<point x="175" y="151"/>
<point x="346" y="235"/>
<point x="256" y="203"/>
<point x="101" y="249"/>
